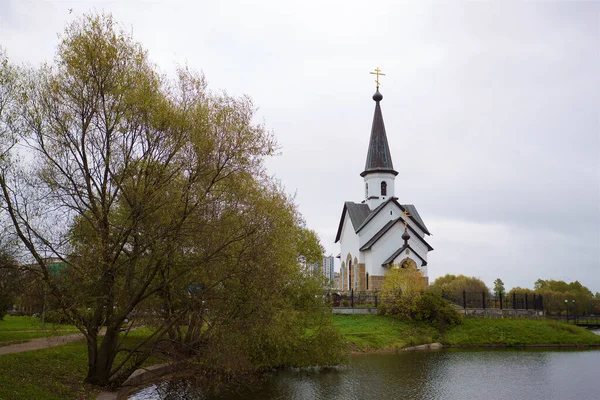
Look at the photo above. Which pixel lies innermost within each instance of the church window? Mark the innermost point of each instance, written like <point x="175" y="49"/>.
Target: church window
<point x="366" y="190"/>
<point x="383" y="188"/>
<point x="349" y="275"/>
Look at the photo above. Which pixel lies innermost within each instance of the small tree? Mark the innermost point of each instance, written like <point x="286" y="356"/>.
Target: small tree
<point x="498" y="287"/>
<point x="401" y="291"/>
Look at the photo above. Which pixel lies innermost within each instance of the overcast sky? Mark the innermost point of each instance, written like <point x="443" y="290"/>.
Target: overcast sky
<point x="492" y="111"/>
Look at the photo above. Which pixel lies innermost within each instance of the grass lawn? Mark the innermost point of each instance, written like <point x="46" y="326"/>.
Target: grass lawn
<point x="366" y="333"/>
<point x="24" y="323"/>
<point x="514" y="332"/>
<point x="54" y="373"/>
<point x="377" y="332"/>
<point x="22" y="329"/>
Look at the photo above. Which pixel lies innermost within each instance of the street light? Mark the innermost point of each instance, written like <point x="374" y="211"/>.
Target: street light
<point x="567" y="308"/>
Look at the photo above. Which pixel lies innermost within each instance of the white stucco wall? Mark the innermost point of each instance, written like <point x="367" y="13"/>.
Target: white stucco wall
<point x="387" y="245"/>
<point x="348" y="241"/>
<point x="374" y="181"/>
<point x="389" y="212"/>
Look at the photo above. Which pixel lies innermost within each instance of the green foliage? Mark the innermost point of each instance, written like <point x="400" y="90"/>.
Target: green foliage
<point x="168" y="218"/>
<point x="562" y="298"/>
<point x="403" y="296"/>
<point x="432" y="308"/>
<point x="562" y="287"/>
<point x="456" y="284"/>
<point x="400" y="293"/>
<point x="499" y="286"/>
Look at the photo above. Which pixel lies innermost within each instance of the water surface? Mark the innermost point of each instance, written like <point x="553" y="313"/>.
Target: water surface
<point x="445" y="374"/>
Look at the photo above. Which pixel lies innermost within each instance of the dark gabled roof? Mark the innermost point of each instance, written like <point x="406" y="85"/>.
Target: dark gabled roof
<point x="379" y="158"/>
<point x="398" y="252"/>
<point x="357" y="213"/>
<point x="414" y="215"/>
<point x="387" y="227"/>
<point x="412" y="210"/>
<point x="379" y="235"/>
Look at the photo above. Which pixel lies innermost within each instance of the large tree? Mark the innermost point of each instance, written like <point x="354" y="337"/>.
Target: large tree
<point x="151" y="194"/>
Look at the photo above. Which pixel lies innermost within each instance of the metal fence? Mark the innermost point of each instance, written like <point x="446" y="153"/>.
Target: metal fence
<point x="525" y="301"/>
<point x="466" y="300"/>
<point x="358" y="299"/>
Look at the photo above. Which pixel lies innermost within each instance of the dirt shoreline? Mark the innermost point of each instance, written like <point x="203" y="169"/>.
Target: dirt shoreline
<point x="426" y="347"/>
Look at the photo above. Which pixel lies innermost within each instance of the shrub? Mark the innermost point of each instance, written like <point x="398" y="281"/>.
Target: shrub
<point x="56" y="317"/>
<point x="432" y="308"/>
<point x="400" y="292"/>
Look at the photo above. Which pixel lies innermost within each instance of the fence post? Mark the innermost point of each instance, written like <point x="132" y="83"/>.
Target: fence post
<point x="464" y="299"/>
<point x="514" y="301"/>
<point x="483" y="298"/>
<point x="500" y="295"/>
<point x="352" y="297"/>
<point x="526" y="302"/>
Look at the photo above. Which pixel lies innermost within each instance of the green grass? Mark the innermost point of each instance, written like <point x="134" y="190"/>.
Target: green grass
<point x="378" y="332"/>
<point x="11" y="323"/>
<point x="364" y="333"/>
<point x="55" y="373"/>
<point x="516" y="332"/>
<point x="15" y="330"/>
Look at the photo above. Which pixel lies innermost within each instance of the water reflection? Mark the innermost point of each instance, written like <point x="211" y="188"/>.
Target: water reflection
<point x="425" y="375"/>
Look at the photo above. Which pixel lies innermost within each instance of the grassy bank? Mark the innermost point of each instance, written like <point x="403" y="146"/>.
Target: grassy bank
<point x="22" y="329"/>
<point x="378" y="332"/>
<point x="51" y="374"/>
<point x="56" y="373"/>
<point x="365" y="333"/>
<point x="517" y="332"/>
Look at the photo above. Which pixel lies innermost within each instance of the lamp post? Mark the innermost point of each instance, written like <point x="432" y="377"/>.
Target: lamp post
<point x="574" y="312"/>
<point x="567" y="309"/>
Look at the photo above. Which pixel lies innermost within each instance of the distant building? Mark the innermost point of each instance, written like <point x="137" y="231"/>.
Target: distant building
<point x="328" y="263"/>
<point x="337" y="283"/>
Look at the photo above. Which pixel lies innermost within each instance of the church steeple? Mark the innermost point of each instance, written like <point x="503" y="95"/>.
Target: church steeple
<point x="379" y="158"/>
<point x="379" y="173"/>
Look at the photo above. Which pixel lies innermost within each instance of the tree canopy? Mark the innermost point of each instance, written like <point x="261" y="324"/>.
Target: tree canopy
<point x="152" y="193"/>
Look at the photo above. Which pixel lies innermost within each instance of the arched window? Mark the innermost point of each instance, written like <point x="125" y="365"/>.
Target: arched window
<point x="366" y="190"/>
<point x="350" y="275"/>
<point x="383" y="188"/>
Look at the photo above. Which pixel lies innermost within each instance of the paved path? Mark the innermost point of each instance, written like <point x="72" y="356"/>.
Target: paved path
<point x="40" y="343"/>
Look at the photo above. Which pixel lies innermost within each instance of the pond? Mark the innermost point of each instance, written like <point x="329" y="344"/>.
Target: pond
<point x="444" y="374"/>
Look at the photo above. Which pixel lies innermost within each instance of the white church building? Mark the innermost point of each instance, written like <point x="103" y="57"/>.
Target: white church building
<point x="379" y="233"/>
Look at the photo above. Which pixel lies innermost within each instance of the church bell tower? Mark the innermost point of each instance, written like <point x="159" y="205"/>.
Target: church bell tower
<point x="379" y="173"/>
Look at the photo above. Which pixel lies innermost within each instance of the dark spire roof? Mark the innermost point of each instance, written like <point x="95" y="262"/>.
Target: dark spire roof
<point x="379" y="158"/>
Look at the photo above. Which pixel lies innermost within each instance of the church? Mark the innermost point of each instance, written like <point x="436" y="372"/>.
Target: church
<point x="379" y="233"/>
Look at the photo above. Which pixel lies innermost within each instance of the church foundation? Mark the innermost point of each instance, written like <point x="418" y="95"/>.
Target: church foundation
<point x="361" y="277"/>
<point x="376" y="282"/>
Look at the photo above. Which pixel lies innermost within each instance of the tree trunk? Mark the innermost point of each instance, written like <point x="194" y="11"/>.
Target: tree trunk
<point x="101" y="364"/>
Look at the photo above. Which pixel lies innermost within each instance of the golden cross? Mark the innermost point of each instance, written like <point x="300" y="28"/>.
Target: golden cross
<point x="405" y="214"/>
<point x="377" y="73"/>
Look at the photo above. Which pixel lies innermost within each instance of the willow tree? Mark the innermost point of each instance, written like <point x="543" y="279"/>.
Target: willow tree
<point x="150" y="196"/>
